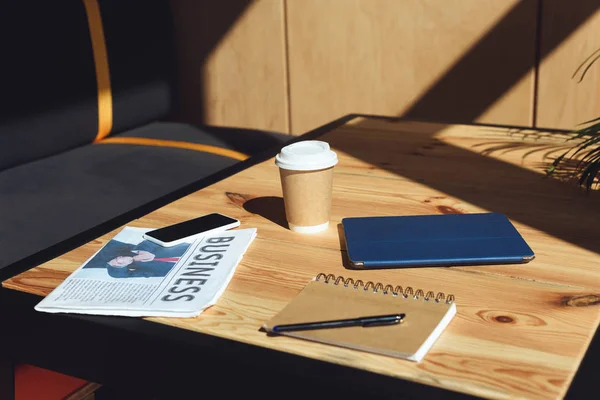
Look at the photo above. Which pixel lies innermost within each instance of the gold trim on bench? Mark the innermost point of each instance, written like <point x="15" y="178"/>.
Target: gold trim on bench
<point x="174" y="143"/>
<point x="105" y="105"/>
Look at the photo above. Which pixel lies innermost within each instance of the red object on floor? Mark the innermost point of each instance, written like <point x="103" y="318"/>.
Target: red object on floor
<point x="33" y="383"/>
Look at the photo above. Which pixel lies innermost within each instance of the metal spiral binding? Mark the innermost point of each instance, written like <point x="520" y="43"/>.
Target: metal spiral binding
<point x="387" y="289"/>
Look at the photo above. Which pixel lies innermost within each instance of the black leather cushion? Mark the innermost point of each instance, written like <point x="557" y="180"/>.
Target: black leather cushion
<point x="141" y="54"/>
<point x="49" y="91"/>
<point x="49" y="95"/>
<point x="48" y="201"/>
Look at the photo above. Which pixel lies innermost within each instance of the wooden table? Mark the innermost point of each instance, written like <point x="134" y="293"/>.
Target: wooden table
<point x="521" y="331"/>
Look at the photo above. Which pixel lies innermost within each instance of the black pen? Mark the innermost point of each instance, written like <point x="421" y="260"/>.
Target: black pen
<point x="365" y="322"/>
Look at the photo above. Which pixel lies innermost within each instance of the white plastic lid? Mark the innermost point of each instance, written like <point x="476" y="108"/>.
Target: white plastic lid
<point x="306" y="155"/>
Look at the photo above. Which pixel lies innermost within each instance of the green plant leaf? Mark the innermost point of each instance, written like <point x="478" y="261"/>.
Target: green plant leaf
<point x="589" y="175"/>
<point x="588" y="165"/>
<point x="590" y="121"/>
<point x="595" y="57"/>
<point x="588" y="67"/>
<point x="584" y="62"/>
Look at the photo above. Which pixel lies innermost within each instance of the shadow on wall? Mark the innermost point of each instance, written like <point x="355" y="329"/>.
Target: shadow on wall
<point x="199" y="26"/>
<point x="469" y="88"/>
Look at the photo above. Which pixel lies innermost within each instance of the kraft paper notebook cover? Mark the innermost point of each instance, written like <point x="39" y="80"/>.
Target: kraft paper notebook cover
<point x="328" y="297"/>
<point x="433" y="240"/>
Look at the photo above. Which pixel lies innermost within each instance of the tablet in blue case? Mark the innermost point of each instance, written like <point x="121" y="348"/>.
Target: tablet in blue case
<point x="433" y="240"/>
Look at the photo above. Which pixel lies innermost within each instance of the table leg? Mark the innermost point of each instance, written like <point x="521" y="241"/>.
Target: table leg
<point x="7" y="379"/>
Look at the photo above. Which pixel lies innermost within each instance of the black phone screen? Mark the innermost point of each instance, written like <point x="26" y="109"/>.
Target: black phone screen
<point x="190" y="227"/>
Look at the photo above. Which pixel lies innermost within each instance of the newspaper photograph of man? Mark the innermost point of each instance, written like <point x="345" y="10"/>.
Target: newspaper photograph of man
<point x="142" y="260"/>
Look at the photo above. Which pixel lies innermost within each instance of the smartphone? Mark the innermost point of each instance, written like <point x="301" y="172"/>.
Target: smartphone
<point x="187" y="231"/>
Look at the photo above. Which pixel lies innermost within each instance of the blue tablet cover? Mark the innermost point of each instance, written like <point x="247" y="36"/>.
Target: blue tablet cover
<point x="433" y="240"/>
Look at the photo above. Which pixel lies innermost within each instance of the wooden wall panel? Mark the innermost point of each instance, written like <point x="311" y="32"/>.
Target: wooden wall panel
<point x="468" y="61"/>
<point x="231" y="63"/>
<point x="563" y="101"/>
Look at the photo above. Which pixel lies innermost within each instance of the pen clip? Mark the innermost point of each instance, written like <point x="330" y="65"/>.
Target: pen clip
<point x="370" y="322"/>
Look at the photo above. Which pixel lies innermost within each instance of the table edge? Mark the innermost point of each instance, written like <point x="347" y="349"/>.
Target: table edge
<point x="68" y="358"/>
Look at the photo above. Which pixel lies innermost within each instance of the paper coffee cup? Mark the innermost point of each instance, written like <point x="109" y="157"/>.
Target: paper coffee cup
<point x="306" y="171"/>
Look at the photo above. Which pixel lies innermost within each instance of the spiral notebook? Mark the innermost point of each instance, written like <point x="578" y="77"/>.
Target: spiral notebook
<point x="328" y="297"/>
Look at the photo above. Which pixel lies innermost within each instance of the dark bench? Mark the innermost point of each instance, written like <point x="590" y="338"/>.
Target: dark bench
<point x="85" y="136"/>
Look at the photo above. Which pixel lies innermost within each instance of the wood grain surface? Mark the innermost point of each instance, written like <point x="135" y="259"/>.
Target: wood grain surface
<point x="521" y="330"/>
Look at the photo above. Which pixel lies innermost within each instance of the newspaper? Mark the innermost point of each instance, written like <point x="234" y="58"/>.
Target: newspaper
<point x="130" y="276"/>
